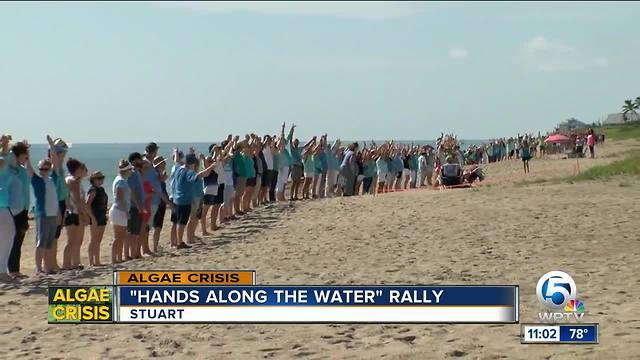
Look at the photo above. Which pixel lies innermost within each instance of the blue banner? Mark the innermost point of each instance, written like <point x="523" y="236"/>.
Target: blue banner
<point x="319" y="295"/>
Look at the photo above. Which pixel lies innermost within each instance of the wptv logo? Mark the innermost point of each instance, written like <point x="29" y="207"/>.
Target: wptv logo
<point x="557" y="291"/>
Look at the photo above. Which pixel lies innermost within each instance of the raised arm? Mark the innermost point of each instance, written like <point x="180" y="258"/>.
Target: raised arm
<point x="290" y="136"/>
<point x="56" y="160"/>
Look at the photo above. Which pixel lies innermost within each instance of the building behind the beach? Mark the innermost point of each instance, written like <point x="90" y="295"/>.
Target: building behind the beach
<point x="618" y="118"/>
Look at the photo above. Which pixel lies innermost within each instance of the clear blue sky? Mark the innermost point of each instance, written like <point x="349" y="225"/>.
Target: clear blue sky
<point x="127" y="72"/>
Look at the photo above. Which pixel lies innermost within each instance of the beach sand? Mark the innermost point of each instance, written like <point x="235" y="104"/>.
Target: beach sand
<point x="501" y="232"/>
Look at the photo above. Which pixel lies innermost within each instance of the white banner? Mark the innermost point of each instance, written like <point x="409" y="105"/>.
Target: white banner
<point x="318" y="314"/>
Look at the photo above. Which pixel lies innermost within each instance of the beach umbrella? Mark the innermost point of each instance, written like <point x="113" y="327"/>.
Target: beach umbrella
<point x="557" y="138"/>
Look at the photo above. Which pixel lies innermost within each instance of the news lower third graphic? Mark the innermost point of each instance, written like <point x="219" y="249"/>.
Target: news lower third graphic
<point x="232" y="296"/>
<point x="557" y="292"/>
<point x="81" y="304"/>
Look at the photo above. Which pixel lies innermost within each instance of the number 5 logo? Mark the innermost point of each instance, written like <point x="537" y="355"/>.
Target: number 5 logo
<point x="555" y="289"/>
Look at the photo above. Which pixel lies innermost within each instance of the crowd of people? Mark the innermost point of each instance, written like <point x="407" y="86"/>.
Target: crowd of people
<point x="206" y="190"/>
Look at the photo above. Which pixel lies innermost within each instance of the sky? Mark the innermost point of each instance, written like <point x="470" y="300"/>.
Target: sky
<point x="197" y="71"/>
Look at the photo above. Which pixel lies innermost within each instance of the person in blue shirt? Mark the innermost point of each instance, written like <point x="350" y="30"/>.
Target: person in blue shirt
<point x="6" y="220"/>
<point x="136" y="206"/>
<point x="184" y="178"/>
<point x="20" y="199"/>
<point x="196" y="206"/>
<point x="46" y="213"/>
<point x="152" y="176"/>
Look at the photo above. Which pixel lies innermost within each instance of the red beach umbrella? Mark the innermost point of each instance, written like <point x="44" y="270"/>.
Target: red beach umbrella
<point x="557" y="138"/>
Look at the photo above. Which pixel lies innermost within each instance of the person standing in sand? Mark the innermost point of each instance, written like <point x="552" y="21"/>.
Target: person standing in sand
<point x="525" y="155"/>
<point x="119" y="212"/>
<point x="153" y="178"/>
<point x="6" y="220"/>
<point x="333" y="166"/>
<point x="160" y="165"/>
<point x="284" y="165"/>
<point x="78" y="215"/>
<point x="184" y="180"/>
<point x="147" y="200"/>
<point x="134" y="225"/>
<point x="20" y="200"/>
<point x="178" y="160"/>
<point x="197" y="194"/>
<point x="349" y="170"/>
<point x="97" y="200"/>
<point x="46" y="213"/>
<point x="57" y="152"/>
<point x="591" y="143"/>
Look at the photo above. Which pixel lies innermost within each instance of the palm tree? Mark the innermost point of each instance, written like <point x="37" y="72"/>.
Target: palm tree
<point x="628" y="108"/>
<point x="637" y="103"/>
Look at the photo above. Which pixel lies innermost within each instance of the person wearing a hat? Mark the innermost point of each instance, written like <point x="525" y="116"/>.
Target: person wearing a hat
<point x="46" y="213"/>
<point x="57" y="152"/>
<point x="97" y="200"/>
<point x="184" y="178"/>
<point x="134" y="226"/>
<point x="119" y="211"/>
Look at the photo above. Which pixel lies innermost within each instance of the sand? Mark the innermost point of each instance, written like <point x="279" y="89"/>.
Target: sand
<point x="499" y="232"/>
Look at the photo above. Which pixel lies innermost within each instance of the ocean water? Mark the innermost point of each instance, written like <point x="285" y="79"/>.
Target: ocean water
<point x="105" y="157"/>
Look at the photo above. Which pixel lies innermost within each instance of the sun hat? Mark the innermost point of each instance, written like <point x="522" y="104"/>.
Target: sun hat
<point x="96" y="175"/>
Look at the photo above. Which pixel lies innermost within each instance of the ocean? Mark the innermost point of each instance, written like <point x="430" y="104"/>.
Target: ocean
<point x="105" y="157"/>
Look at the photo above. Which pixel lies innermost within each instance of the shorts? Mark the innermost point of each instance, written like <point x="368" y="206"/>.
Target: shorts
<point x="309" y="174"/>
<point x="196" y="207"/>
<point x="241" y="183"/>
<point x="118" y="217"/>
<point x="134" y="224"/>
<point x="215" y="199"/>
<point x="158" y="218"/>
<point x="382" y="177"/>
<point x="227" y="195"/>
<point x="297" y="172"/>
<point x="399" y="175"/>
<point x="71" y="219"/>
<point x="251" y="182"/>
<point x="526" y="158"/>
<point x="180" y="214"/>
<point x="406" y="172"/>
<point x="265" y="179"/>
<point x="101" y="218"/>
<point x="62" y="205"/>
<point x="46" y="231"/>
